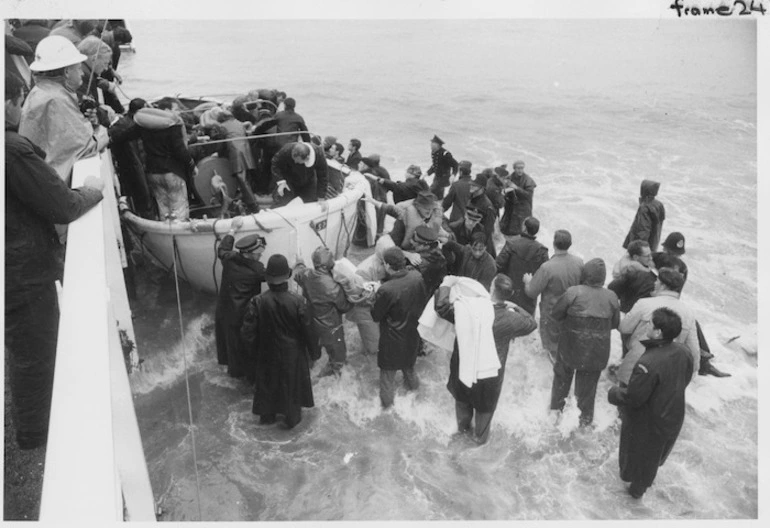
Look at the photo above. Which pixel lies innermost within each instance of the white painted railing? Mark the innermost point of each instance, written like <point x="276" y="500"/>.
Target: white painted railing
<point x="95" y="470"/>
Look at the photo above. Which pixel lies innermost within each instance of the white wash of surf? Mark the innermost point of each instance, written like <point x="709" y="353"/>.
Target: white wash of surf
<point x="350" y="460"/>
<point x="671" y="102"/>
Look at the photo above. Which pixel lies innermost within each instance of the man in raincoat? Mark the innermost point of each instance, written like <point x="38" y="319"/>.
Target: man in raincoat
<point x="51" y="117"/>
<point x="653" y="403"/>
<point x="588" y="313"/>
<point x="242" y="278"/>
<point x="649" y="218"/>
<point x="398" y="305"/>
<point x="278" y="331"/>
<point x="326" y="304"/>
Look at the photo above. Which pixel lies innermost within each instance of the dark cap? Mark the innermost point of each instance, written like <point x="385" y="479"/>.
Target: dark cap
<point x="437" y="139"/>
<point x="250" y="243"/>
<point x="277" y="270"/>
<point x="372" y="160"/>
<point x="289" y="102"/>
<point x="675" y="243"/>
<point x="425" y="235"/>
<point x="329" y="141"/>
<point x="464" y="166"/>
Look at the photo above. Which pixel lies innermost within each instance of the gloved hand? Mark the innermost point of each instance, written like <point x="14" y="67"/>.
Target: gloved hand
<point x="106" y="85"/>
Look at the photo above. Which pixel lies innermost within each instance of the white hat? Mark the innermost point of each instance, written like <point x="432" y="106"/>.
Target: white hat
<point x="55" y="52"/>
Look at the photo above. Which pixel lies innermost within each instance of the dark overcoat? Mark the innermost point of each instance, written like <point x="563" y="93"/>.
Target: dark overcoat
<point x="242" y="279"/>
<point x="653" y="408"/>
<point x="277" y="330"/>
<point x="398" y="305"/>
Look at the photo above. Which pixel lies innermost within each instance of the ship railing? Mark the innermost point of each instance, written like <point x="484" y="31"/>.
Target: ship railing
<point x="95" y="469"/>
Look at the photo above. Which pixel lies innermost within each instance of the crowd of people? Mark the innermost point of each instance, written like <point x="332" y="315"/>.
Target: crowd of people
<point x="436" y="278"/>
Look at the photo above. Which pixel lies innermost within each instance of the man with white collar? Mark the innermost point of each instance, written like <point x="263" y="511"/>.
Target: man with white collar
<point x="302" y="169"/>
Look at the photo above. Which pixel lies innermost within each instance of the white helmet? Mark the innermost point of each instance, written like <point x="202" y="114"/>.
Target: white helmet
<point x="55" y="52"/>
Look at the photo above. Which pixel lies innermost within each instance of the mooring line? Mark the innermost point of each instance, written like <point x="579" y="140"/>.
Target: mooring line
<point x="186" y="375"/>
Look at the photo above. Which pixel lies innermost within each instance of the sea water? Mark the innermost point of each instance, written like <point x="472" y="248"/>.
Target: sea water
<point x="592" y="107"/>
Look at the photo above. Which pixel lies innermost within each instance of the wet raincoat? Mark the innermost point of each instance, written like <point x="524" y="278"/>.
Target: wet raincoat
<point x="649" y="218"/>
<point x="278" y="331"/>
<point x="588" y="313"/>
<point x="397" y="307"/>
<point x="653" y="409"/>
<point x="242" y="279"/>
<point x="52" y="120"/>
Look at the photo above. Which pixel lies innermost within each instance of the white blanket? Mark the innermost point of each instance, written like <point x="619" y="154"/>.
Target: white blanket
<point x="474" y="316"/>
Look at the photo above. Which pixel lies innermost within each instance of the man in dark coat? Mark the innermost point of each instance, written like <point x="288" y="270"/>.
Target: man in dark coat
<point x="633" y="278"/>
<point x="36" y="198"/>
<point x="649" y="218"/>
<point x="521" y="255"/>
<point x="473" y="260"/>
<point x="278" y="331"/>
<point x="589" y="313"/>
<point x="443" y="166"/>
<point x="242" y="278"/>
<point x="354" y="154"/>
<point x="398" y="305"/>
<point x="302" y="169"/>
<point x="128" y="157"/>
<point x="653" y="403"/>
<point x="482" y="397"/>
<point x="459" y="193"/>
<point x="326" y="304"/>
<point x="519" y="192"/>
<point x="290" y="121"/>
<point x="408" y="189"/>
<point x="466" y="193"/>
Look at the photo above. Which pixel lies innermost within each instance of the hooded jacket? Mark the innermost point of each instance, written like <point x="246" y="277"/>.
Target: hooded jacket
<point x="649" y="218"/>
<point x="325" y="298"/>
<point x="589" y="312"/>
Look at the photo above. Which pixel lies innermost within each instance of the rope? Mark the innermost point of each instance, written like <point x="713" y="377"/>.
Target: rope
<point x="186" y="378"/>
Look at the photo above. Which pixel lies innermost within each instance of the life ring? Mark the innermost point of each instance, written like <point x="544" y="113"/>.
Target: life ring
<point x="156" y="119"/>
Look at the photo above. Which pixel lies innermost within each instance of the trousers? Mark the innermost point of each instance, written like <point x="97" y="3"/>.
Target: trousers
<point x="585" y="389"/>
<point x="31" y="332"/>
<point x="388" y="384"/>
